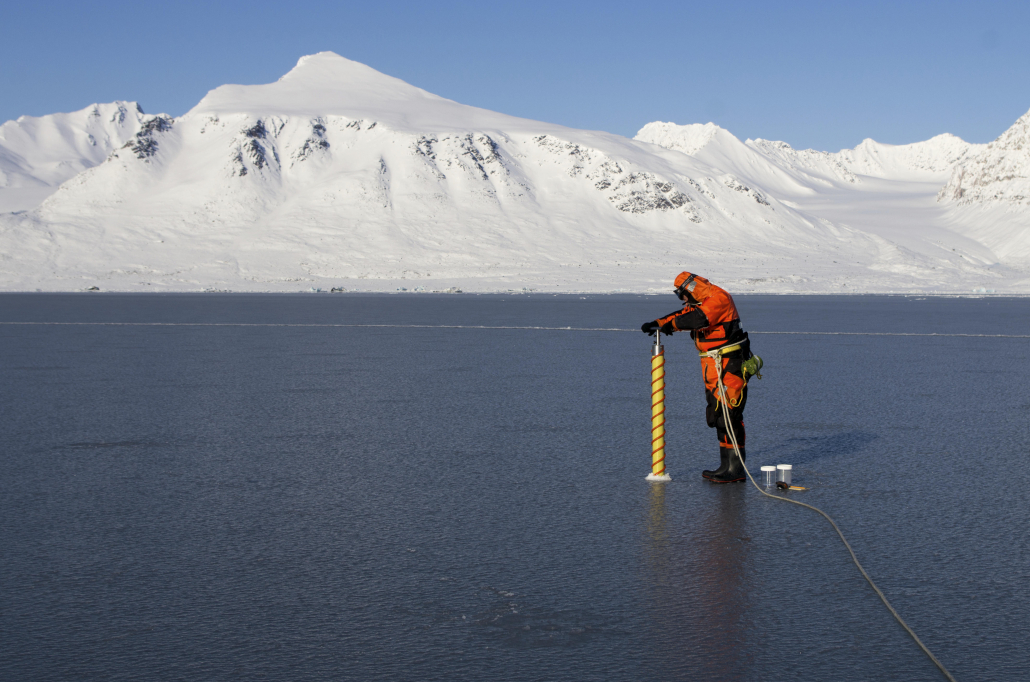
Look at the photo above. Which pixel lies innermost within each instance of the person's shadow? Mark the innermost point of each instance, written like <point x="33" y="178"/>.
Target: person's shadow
<point x="806" y="449"/>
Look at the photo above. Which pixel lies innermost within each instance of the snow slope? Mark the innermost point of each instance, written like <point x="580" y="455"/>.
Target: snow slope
<point x="888" y="192"/>
<point x="38" y="154"/>
<point x="340" y="176"/>
<point x="988" y="194"/>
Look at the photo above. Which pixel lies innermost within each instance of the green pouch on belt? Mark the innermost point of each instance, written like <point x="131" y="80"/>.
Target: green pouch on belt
<point x="752" y="367"/>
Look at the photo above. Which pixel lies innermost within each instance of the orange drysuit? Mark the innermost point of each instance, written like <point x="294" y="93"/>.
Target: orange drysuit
<point x="710" y="316"/>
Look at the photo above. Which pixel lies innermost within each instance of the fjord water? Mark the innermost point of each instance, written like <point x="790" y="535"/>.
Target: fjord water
<point x="375" y="503"/>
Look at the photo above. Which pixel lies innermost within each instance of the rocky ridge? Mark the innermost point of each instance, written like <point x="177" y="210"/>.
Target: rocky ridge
<point x="37" y="154"/>
<point x="998" y="174"/>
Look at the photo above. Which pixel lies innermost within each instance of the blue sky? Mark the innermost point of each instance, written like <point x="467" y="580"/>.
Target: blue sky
<point x="816" y="74"/>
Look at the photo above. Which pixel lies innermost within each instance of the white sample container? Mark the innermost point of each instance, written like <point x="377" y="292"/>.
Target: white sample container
<point x="769" y="476"/>
<point x="783" y="472"/>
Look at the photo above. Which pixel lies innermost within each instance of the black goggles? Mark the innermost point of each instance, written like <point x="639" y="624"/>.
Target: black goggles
<point x="685" y="288"/>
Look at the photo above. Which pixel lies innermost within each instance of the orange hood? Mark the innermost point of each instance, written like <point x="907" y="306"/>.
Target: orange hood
<point x="699" y="287"/>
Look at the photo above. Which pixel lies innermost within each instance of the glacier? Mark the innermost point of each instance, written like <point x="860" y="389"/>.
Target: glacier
<point x="340" y="177"/>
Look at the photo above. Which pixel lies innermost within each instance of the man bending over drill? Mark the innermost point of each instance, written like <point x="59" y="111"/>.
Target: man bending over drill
<point x="711" y="318"/>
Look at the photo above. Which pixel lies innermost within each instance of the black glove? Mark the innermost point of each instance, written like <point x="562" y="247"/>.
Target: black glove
<point x="649" y="328"/>
<point x="667" y="328"/>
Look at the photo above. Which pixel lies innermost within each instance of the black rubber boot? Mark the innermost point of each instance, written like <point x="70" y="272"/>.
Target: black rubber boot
<point x="734" y="472"/>
<point x="724" y="458"/>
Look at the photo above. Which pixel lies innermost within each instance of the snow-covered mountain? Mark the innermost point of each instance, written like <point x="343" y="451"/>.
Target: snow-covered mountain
<point x="38" y="154"/>
<point x="998" y="173"/>
<point x="888" y="192"/>
<point x="770" y="163"/>
<point x="988" y="194"/>
<point x="340" y="176"/>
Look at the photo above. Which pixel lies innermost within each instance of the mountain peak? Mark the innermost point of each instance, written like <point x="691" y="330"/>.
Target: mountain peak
<point x="332" y="72"/>
<point x="689" y="139"/>
<point x="38" y="153"/>
<point x="326" y="84"/>
<point x="1000" y="172"/>
<point x="1017" y="137"/>
<point x="320" y="84"/>
<point x="321" y="59"/>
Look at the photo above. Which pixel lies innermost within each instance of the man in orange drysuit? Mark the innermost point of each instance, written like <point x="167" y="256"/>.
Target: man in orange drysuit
<point x="711" y="318"/>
